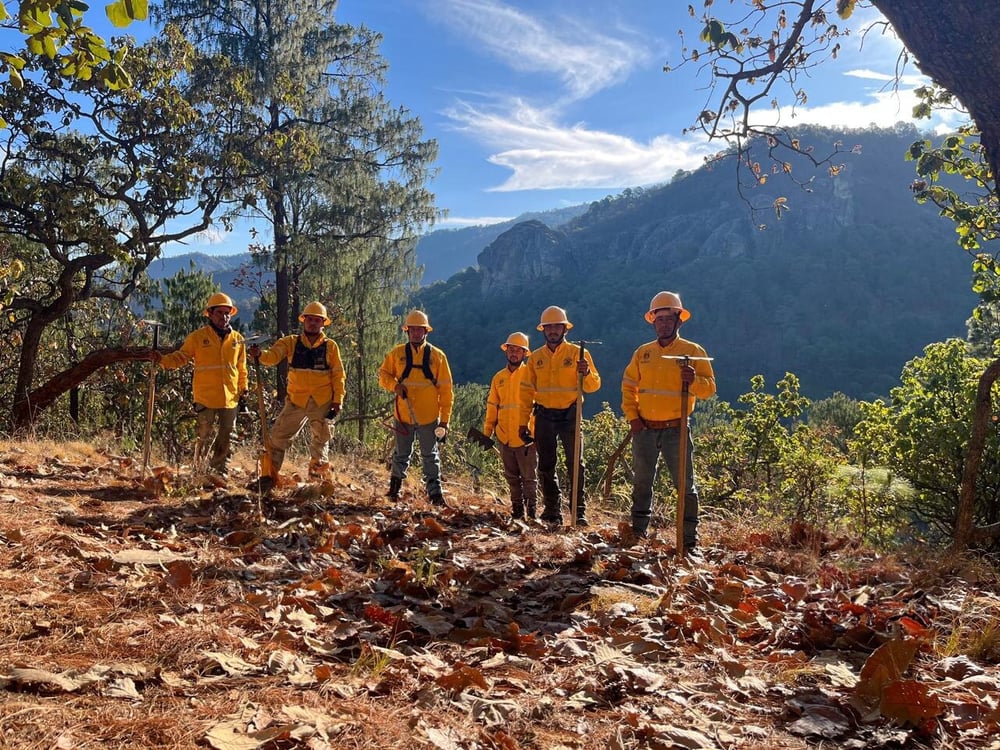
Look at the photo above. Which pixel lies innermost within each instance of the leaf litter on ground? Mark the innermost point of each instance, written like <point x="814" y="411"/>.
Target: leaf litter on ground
<point x="199" y="615"/>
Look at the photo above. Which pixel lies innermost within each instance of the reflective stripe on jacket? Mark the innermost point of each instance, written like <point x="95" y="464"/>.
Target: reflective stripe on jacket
<point x="220" y="366"/>
<point x="503" y="407"/>
<point x="324" y="386"/>
<point x="651" y="385"/>
<point x="430" y="402"/>
<point x="552" y="380"/>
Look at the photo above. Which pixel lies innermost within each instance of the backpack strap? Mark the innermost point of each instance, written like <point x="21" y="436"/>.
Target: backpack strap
<point x="425" y="365"/>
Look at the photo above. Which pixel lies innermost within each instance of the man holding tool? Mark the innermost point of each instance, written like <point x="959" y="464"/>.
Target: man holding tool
<point x="660" y="386"/>
<point x="220" y="378"/>
<point x="519" y="457"/>
<point x="419" y="376"/>
<point x="316" y="383"/>
<point x="556" y="377"/>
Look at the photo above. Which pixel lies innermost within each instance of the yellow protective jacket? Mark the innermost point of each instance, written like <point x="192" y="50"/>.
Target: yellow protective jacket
<point x="325" y="384"/>
<point x="430" y="402"/>
<point x="220" y="366"/>
<point x="551" y="379"/>
<point x="651" y="385"/>
<point x="503" y="407"/>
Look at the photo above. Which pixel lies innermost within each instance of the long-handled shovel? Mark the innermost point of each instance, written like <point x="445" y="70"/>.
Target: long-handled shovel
<point x="682" y="467"/>
<point x="578" y="438"/>
<point x="147" y="437"/>
<point x="266" y="466"/>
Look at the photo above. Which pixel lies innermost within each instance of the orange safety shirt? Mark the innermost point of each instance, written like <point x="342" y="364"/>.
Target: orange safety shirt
<point x="651" y="385"/>
<point x="430" y="402"/>
<point x="323" y="385"/>
<point x="220" y="366"/>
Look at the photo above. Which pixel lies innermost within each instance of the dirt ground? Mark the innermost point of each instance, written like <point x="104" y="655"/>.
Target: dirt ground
<point x="178" y="613"/>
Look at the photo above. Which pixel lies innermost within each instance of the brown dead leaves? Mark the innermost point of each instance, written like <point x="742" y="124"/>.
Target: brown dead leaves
<point x="338" y="619"/>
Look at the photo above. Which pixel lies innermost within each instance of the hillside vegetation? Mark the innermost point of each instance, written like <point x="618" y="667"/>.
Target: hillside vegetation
<point x="852" y="281"/>
<point x="176" y="615"/>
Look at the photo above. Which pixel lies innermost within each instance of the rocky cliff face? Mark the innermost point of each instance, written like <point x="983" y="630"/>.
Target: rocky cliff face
<point x="528" y="253"/>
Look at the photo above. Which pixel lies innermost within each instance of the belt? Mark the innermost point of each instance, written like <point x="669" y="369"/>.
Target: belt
<point x="661" y="424"/>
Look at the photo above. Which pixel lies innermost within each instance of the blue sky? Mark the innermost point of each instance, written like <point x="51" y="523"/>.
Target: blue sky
<point x="538" y="104"/>
<point x="546" y="103"/>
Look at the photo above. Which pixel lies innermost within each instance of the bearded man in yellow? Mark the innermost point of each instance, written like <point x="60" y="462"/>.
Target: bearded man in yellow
<point x="315" y="390"/>
<point x="549" y="390"/>
<point x="419" y="375"/>
<point x="652" y="388"/>
<point x="220" y="377"/>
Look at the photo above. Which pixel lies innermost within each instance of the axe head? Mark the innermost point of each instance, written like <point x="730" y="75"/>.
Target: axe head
<point x="256" y="338"/>
<point x="479" y="439"/>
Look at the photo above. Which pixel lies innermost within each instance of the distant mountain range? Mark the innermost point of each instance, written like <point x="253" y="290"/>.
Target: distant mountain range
<point x="852" y="281"/>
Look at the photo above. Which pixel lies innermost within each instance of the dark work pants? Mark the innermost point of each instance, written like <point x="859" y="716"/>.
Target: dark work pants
<point x="551" y="429"/>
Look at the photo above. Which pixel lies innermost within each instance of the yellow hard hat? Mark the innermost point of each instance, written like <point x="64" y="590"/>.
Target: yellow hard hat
<point x="669" y="301"/>
<point x="417" y="318"/>
<point x="553" y="315"/>
<point x="516" y="339"/>
<point x="318" y="309"/>
<point x="220" y="300"/>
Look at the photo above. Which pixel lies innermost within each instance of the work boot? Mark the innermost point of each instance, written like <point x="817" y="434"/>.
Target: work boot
<point x="550" y="511"/>
<point x="517" y="511"/>
<point x="530" y="509"/>
<point x="438" y="499"/>
<point x="395" y="485"/>
<point x="581" y="520"/>
<point x="319" y="470"/>
<point x="263" y="484"/>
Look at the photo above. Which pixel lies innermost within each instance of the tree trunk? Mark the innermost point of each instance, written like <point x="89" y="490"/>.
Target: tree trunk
<point x="46" y="394"/>
<point x="965" y="533"/>
<point x="954" y="44"/>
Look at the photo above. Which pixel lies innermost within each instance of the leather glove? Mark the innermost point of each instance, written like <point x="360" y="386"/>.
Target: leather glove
<point x="441" y="432"/>
<point x="254" y="351"/>
<point x="636" y="426"/>
<point x="525" y="434"/>
<point x="687" y="374"/>
<point x="401" y="390"/>
<point x="334" y="412"/>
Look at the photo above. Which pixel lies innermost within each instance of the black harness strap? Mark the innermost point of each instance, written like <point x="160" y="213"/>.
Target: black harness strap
<point x="425" y="365"/>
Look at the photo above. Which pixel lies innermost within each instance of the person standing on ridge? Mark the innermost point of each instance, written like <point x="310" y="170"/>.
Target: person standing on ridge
<point x="220" y="378"/>
<point x="549" y="389"/>
<point x="419" y="376"/>
<point x="651" y="401"/>
<point x="519" y="458"/>
<point x="316" y="385"/>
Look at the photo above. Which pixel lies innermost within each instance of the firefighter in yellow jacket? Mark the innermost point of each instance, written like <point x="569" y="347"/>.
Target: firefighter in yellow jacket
<point x="651" y="402"/>
<point x="519" y="458"/>
<point x="549" y="390"/>
<point x="220" y="377"/>
<point x="419" y="375"/>
<point x="315" y="390"/>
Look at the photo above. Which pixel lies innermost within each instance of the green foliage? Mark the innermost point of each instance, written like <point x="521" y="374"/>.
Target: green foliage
<point x="922" y="433"/>
<point x="54" y="30"/>
<point x="839" y="413"/>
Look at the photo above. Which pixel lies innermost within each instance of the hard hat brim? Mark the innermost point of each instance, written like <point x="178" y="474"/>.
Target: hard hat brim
<point x="685" y="314"/>
<point x="541" y="326"/>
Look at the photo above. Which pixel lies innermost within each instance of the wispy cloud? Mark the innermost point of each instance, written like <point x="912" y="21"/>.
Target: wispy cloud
<point x="884" y="107"/>
<point x="544" y="155"/>
<point x="585" y="60"/>
<point x="457" y="222"/>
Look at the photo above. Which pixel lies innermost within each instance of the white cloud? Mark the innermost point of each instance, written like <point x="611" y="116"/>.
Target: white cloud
<point x="584" y="59"/>
<point x="883" y="107"/>
<point x="544" y="155"/>
<point x="453" y="222"/>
